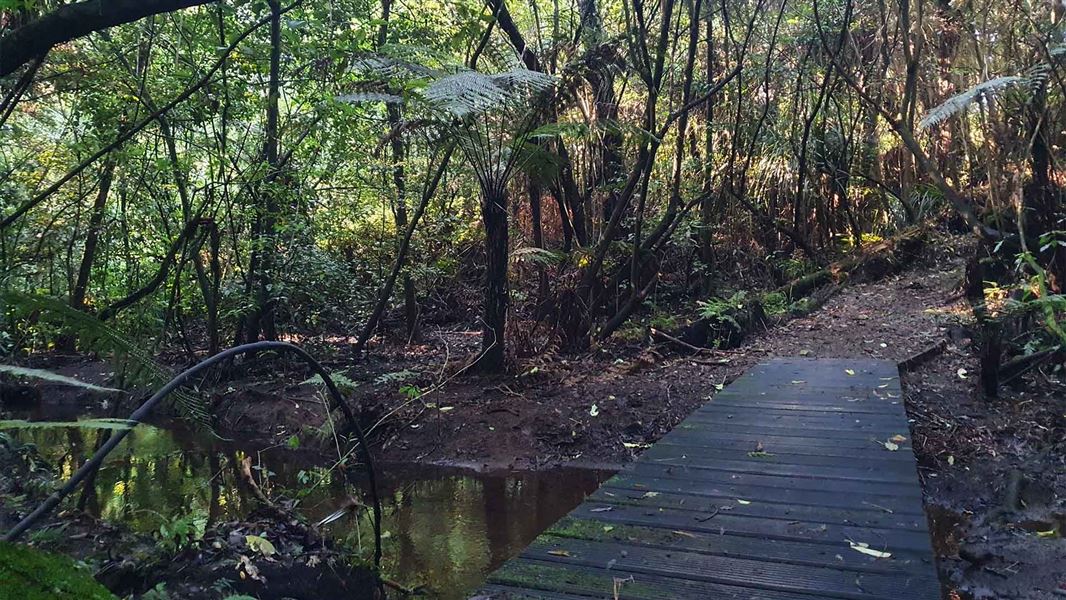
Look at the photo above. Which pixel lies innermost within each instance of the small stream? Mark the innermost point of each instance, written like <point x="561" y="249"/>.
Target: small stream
<point x="444" y="528"/>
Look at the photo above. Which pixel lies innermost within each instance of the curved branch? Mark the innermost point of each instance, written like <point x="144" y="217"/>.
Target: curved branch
<point x="76" y="20"/>
<point x="143" y="411"/>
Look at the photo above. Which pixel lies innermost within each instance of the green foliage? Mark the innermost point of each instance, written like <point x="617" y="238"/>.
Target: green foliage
<point x="181" y="532"/>
<point x="775" y="303"/>
<point x="720" y="310"/>
<point x="94" y="335"/>
<point x="342" y="381"/>
<point x="159" y="592"/>
<point x="395" y="377"/>
<point x="52" y="377"/>
<point x="29" y="574"/>
<point x="537" y="256"/>
<point x="101" y="423"/>
<point x="664" y="321"/>
<point x="960" y="102"/>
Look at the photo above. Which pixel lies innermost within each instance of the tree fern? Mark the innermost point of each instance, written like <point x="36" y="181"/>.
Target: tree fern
<point x="960" y="102"/>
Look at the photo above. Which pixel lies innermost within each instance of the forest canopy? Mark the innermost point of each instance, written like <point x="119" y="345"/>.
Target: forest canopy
<point x="196" y="174"/>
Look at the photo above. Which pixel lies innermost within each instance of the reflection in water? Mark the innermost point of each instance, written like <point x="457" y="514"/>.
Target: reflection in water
<point x="444" y="528"/>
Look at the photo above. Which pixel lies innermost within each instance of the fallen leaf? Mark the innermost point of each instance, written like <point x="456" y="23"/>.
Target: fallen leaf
<point x="260" y="544"/>
<point x="594" y="411"/>
<point x="1047" y="534"/>
<point x="608" y="528"/>
<point x="600" y="509"/>
<point x="962" y="373"/>
<point x="743" y="502"/>
<point x="650" y="494"/>
<point x="559" y="552"/>
<point x="891" y="447"/>
<point x="760" y="454"/>
<point x="805" y="352"/>
<point x="850" y="372"/>
<point x="865" y="548"/>
<point x="899" y="439"/>
<point x="685" y="533"/>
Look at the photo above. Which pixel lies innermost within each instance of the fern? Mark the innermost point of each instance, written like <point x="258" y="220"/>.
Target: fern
<point x="360" y="97"/>
<point x="960" y="102"/>
<point x="470" y="93"/>
<point x="342" y="381"/>
<point x="112" y="424"/>
<point x="52" y="377"/>
<point x="537" y="256"/>
<point x="97" y="336"/>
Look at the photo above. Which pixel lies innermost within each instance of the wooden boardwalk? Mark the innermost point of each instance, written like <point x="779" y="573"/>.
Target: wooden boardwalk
<point x="780" y="488"/>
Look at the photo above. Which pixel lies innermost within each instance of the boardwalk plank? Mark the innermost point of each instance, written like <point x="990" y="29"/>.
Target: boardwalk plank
<point x="760" y="494"/>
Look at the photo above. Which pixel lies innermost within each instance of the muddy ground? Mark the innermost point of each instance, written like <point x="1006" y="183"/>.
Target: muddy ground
<point x="994" y="471"/>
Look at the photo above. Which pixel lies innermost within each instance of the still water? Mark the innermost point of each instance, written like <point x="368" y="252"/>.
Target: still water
<point x="443" y="528"/>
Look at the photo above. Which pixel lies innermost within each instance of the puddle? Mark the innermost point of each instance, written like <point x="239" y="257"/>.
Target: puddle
<point x="443" y="528"/>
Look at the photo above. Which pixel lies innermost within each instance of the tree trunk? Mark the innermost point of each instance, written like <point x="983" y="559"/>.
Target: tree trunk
<point x="92" y="237"/>
<point x="494" y="315"/>
<point x="263" y="260"/>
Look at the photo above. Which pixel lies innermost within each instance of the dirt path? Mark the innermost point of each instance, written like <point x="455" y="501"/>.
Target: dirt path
<point x="603" y="407"/>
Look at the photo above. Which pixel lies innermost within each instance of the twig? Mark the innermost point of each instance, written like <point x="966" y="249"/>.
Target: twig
<point x="923" y="357"/>
<point x="655" y="333"/>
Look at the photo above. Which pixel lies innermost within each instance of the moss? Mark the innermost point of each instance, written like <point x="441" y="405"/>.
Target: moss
<point x="594" y="531"/>
<point x="557" y="578"/>
<point x="30" y="574"/>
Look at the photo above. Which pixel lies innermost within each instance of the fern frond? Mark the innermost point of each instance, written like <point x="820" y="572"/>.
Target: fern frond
<point x="960" y="102"/>
<point x="538" y="256"/>
<point x="360" y="97"/>
<point x="469" y="93"/>
<point x="97" y="336"/>
<point x="53" y="377"/>
<point x="112" y="424"/>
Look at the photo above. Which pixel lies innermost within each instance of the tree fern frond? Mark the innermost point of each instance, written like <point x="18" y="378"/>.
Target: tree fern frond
<point x="469" y="93"/>
<point x="112" y="424"/>
<point x="99" y="337"/>
<point x="465" y="93"/>
<point x="53" y="377"/>
<point x="360" y="97"/>
<point x="960" y="102"/>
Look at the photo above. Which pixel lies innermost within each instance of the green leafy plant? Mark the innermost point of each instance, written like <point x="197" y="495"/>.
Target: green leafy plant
<point x="97" y="336"/>
<point x="720" y="310"/>
<point x="342" y="381"/>
<point x="775" y="303"/>
<point x="395" y="377"/>
<point x="181" y="532"/>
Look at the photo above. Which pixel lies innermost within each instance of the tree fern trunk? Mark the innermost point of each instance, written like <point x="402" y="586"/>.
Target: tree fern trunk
<point x="494" y="316"/>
